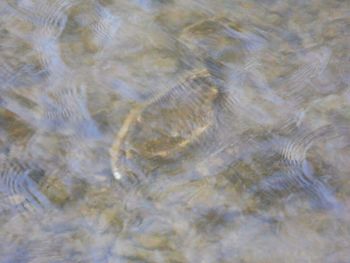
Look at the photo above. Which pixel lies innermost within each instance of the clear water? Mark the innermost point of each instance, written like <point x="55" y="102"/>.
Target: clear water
<point x="174" y="131"/>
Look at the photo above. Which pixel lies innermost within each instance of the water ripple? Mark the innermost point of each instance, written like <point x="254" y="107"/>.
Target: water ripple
<point x="19" y="192"/>
<point x="297" y="171"/>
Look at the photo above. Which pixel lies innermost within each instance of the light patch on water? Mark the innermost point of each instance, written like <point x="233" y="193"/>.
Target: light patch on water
<point x="117" y="175"/>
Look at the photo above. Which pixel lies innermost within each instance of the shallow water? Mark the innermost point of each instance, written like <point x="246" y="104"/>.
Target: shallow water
<point x="174" y="131"/>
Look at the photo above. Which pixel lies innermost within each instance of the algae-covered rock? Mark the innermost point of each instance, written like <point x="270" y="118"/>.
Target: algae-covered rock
<point x="169" y="124"/>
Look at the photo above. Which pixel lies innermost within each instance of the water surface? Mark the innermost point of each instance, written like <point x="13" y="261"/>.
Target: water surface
<point x="174" y="131"/>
